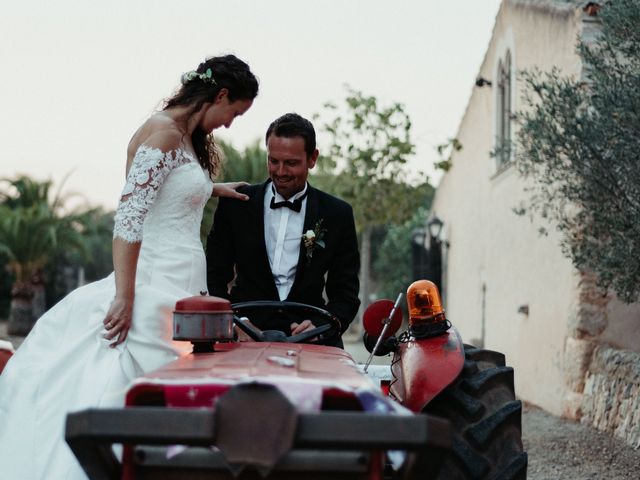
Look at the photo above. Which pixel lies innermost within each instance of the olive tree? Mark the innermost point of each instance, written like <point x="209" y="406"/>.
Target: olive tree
<point x="579" y="143"/>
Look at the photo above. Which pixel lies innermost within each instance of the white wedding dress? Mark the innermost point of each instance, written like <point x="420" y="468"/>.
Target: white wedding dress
<point x="65" y="364"/>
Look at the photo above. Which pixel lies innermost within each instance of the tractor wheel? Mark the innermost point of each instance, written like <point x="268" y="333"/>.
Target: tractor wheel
<point x="486" y="420"/>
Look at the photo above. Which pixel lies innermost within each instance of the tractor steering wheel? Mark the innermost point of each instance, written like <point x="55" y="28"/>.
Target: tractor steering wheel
<point x="331" y="329"/>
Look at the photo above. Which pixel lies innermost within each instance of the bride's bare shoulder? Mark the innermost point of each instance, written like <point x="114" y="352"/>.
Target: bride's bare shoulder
<point x="159" y="131"/>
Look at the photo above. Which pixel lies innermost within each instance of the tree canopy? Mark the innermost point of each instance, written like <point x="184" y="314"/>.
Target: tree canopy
<point x="40" y="236"/>
<point x="392" y="265"/>
<point x="365" y="164"/>
<point x="579" y="141"/>
<point x="33" y="227"/>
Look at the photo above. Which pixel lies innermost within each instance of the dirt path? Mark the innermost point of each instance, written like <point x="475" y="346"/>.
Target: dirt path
<point x="566" y="450"/>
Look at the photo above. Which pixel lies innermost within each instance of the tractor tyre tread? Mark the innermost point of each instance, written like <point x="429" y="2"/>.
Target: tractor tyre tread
<point x="486" y="420"/>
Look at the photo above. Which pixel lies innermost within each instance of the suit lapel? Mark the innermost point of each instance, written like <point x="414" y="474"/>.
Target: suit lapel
<point x="311" y="214"/>
<point x="310" y="219"/>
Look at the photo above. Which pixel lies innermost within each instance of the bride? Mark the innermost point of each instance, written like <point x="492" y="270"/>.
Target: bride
<point x="87" y="348"/>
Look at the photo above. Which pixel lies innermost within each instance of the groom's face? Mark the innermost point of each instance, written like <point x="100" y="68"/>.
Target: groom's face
<point x="288" y="164"/>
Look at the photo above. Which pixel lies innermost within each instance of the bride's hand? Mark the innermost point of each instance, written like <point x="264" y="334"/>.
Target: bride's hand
<point x="118" y="320"/>
<point x="228" y="189"/>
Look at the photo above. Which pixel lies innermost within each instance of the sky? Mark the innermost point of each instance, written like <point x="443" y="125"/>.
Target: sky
<point x="77" y="77"/>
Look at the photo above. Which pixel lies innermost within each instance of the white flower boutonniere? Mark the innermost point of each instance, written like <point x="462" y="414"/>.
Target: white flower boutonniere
<point x="314" y="238"/>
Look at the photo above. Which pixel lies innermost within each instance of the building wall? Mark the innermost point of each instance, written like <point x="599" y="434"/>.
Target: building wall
<point x="497" y="263"/>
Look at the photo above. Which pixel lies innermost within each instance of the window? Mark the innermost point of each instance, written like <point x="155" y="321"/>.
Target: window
<point x="503" y="112"/>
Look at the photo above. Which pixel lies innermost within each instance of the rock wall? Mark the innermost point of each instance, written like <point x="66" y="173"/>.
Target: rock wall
<point x="602" y="380"/>
<point x="611" y="397"/>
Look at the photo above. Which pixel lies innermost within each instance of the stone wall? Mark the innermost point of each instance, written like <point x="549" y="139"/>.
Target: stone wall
<point x="602" y="380"/>
<point x="611" y="397"/>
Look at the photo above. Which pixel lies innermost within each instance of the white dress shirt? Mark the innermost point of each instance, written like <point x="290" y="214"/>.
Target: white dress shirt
<point x="282" y="237"/>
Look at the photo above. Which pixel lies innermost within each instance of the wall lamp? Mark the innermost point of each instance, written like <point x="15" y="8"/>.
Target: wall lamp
<point x="419" y="236"/>
<point x="481" y="82"/>
<point x="435" y="227"/>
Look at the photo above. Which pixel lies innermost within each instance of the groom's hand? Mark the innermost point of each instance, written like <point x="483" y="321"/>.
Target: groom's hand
<point x="303" y="326"/>
<point x="241" y="336"/>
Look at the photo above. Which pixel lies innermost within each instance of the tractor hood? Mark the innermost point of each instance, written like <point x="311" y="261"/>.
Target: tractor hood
<point x="304" y="372"/>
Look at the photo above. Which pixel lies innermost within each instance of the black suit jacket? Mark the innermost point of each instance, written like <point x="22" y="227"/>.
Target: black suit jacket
<point x="236" y="246"/>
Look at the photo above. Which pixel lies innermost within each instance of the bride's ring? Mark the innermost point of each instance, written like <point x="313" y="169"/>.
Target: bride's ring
<point x="109" y="325"/>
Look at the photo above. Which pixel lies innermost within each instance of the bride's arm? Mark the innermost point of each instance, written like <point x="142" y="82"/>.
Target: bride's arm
<point x="119" y="316"/>
<point x="149" y="168"/>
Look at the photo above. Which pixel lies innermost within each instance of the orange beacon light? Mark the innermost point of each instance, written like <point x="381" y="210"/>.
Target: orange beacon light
<point x="426" y="314"/>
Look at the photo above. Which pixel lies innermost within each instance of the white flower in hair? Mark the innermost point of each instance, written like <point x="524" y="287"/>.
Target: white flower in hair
<point x="206" y="77"/>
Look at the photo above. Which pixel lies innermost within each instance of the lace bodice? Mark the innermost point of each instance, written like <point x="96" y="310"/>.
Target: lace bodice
<point x="164" y="196"/>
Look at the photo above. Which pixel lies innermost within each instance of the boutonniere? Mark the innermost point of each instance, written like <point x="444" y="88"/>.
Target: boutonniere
<point x="314" y="238"/>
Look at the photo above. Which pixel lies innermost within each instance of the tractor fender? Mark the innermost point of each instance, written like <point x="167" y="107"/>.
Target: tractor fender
<point x="422" y="368"/>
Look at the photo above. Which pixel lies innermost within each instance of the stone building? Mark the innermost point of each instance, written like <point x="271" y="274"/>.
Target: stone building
<point x="575" y="352"/>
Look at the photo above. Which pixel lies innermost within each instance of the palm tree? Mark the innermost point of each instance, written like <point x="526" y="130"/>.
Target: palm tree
<point x="24" y="191"/>
<point x="32" y="230"/>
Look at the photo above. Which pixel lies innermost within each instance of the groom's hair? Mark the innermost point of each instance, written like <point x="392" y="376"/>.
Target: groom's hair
<point x="293" y="125"/>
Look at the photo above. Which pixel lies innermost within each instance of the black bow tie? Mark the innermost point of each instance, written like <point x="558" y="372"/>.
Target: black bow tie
<point x="296" y="205"/>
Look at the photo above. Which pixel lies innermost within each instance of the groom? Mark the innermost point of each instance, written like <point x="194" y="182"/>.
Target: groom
<point x="260" y="241"/>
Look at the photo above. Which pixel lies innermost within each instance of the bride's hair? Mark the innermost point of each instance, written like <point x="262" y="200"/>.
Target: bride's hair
<point x="202" y="86"/>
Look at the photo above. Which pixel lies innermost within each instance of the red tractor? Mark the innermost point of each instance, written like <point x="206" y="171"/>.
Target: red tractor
<point x="289" y="408"/>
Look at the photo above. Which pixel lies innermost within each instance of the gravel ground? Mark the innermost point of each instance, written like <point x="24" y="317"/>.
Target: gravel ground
<point x="563" y="449"/>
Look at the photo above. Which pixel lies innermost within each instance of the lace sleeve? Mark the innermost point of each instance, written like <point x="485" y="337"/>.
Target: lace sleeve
<point x="148" y="171"/>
